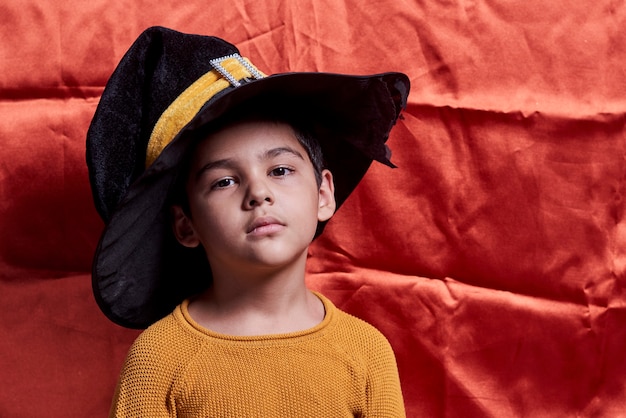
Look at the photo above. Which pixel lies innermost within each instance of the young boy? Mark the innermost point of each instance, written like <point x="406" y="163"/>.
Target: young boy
<point x="213" y="180"/>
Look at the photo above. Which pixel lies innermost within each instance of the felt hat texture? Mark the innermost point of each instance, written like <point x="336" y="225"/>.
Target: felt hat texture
<point x="150" y="113"/>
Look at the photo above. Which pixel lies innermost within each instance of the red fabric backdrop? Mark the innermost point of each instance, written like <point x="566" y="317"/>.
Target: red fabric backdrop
<point x="493" y="258"/>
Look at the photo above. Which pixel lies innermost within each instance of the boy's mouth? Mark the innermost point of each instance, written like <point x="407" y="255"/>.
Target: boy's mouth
<point x="264" y="225"/>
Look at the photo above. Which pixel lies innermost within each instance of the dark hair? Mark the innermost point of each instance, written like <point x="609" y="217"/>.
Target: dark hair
<point x="313" y="149"/>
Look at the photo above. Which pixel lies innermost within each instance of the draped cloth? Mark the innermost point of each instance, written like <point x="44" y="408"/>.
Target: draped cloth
<point x="493" y="258"/>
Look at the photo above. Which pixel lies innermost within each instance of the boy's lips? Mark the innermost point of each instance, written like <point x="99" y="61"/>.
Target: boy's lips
<point x="264" y="225"/>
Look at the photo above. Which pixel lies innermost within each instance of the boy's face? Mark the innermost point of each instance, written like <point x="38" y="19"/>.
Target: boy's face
<point x="254" y="200"/>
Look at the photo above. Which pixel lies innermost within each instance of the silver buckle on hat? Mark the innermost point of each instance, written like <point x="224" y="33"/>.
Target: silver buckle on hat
<point x="217" y="64"/>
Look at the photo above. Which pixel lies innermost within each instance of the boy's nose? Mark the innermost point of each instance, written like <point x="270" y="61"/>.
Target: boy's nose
<point x="258" y="194"/>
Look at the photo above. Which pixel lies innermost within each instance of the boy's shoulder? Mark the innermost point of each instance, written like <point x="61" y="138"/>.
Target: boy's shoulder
<point x="360" y="334"/>
<point x="358" y="326"/>
<point x="164" y="342"/>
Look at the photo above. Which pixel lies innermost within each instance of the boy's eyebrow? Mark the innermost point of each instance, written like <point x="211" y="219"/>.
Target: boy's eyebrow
<point x="229" y="163"/>
<point x="275" y="152"/>
<point x="225" y="163"/>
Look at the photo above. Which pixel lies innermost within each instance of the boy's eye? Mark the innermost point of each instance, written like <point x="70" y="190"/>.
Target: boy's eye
<point x="281" y="171"/>
<point x="222" y="183"/>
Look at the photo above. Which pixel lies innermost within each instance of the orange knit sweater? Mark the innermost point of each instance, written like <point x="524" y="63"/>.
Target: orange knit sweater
<point x="343" y="367"/>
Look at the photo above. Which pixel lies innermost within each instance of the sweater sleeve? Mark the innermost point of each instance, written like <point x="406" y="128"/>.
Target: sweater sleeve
<point x="144" y="387"/>
<point x="147" y="386"/>
<point x="383" y="390"/>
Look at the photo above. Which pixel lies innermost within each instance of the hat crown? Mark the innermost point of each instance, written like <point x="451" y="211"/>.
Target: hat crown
<point x="155" y="70"/>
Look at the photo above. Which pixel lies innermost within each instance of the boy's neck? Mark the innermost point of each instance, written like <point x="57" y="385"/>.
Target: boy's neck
<point x="272" y="303"/>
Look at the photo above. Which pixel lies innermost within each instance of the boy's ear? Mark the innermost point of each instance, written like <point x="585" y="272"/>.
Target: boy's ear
<point x="183" y="228"/>
<point x="327" y="203"/>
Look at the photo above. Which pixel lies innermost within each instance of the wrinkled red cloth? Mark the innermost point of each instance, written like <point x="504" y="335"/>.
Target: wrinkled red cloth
<point x="493" y="257"/>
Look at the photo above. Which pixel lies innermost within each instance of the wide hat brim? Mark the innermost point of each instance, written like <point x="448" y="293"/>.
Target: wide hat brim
<point x="140" y="272"/>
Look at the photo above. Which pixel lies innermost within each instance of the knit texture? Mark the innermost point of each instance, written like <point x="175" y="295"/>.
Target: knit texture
<point x="343" y="367"/>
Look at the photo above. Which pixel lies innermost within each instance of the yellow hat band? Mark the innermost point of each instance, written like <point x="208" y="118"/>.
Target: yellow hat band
<point x="226" y="72"/>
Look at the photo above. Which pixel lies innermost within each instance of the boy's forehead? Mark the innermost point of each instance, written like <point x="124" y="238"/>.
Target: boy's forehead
<point x="248" y="138"/>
